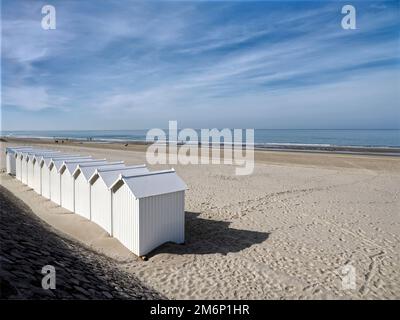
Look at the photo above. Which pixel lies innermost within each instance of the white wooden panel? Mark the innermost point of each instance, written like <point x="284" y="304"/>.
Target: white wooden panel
<point x="162" y="219"/>
<point x="67" y="191"/>
<point x="37" y="178"/>
<point x="8" y="162"/>
<point x="100" y="205"/>
<point x="31" y="174"/>
<point x="125" y="210"/>
<point x="24" y="171"/>
<point x="46" y="181"/>
<point x="12" y="165"/>
<point x="18" y="168"/>
<point x="82" y="196"/>
<point x="55" y="186"/>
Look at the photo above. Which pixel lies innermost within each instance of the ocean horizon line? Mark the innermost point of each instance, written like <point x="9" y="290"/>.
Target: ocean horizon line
<point x="231" y="128"/>
<point x="262" y="137"/>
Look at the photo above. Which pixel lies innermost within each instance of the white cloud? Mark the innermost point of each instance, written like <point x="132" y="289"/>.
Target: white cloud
<point x="27" y="98"/>
<point x="31" y="98"/>
<point x="157" y="59"/>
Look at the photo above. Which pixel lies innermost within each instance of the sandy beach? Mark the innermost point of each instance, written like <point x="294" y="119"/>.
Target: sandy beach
<point x="284" y="232"/>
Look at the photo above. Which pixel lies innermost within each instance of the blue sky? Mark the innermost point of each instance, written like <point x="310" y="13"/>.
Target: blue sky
<point x="136" y="65"/>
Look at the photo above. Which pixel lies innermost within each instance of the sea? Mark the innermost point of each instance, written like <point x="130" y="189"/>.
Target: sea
<point x="262" y="137"/>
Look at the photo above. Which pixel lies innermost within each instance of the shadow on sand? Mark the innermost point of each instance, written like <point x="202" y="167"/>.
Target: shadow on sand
<point x="205" y="236"/>
<point x="27" y="244"/>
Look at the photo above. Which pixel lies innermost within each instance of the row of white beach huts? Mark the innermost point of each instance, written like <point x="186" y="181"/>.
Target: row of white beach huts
<point x="142" y="209"/>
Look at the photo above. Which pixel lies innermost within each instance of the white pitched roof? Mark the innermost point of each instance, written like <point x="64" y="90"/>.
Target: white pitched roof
<point x="153" y="183"/>
<point x="110" y="175"/>
<point x="59" y="161"/>
<point x="88" y="169"/>
<point x="26" y="153"/>
<point x="76" y="161"/>
<point x="15" y="149"/>
<point x="21" y="152"/>
<point x="41" y="158"/>
<point x="72" y="166"/>
<point x="33" y="155"/>
<point x="48" y="160"/>
<point x="29" y="155"/>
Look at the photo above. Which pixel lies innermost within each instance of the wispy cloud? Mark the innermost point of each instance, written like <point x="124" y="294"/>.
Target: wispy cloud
<point x="146" y="61"/>
<point x="30" y="98"/>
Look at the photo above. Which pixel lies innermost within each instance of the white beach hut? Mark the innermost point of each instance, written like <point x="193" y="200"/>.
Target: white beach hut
<point x="22" y="172"/>
<point x="37" y="172"/>
<point x="18" y="165"/>
<point x="45" y="170"/>
<point x="148" y="210"/>
<point x="82" y="192"/>
<point x="68" y="181"/>
<point x="38" y="168"/>
<point x="55" y="178"/>
<point x="24" y="155"/>
<point x="100" y="193"/>
<point x="11" y="158"/>
<point x="31" y="159"/>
